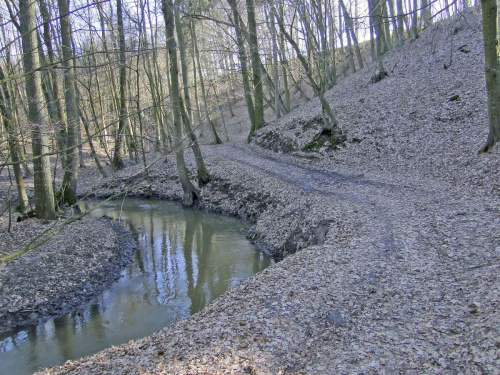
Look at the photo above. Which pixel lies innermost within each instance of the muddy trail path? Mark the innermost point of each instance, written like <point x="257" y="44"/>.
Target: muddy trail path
<point x="386" y="202"/>
<point x="402" y="214"/>
<point x="331" y="185"/>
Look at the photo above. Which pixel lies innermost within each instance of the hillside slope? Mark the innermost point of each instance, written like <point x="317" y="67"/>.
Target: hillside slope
<point x="427" y="119"/>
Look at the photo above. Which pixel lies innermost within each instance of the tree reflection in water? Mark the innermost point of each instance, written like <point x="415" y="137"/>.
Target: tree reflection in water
<point x="186" y="258"/>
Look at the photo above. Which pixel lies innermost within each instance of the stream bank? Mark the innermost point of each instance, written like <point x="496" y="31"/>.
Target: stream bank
<point x="64" y="274"/>
<point x="393" y="275"/>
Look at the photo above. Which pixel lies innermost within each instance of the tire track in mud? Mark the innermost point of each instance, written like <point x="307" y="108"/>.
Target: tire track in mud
<point x="330" y="184"/>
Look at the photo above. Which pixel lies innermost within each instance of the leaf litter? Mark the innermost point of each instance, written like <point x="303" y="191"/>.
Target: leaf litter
<point x="396" y="256"/>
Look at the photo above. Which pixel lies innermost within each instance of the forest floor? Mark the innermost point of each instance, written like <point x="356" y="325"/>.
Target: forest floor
<point x="391" y="242"/>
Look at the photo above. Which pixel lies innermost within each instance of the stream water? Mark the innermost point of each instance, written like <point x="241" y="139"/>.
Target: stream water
<point x="186" y="258"/>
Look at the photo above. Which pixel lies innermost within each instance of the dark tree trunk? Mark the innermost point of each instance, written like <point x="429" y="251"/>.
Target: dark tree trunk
<point x="492" y="59"/>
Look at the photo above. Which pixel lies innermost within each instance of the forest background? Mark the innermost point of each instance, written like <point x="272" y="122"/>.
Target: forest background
<point x="128" y="77"/>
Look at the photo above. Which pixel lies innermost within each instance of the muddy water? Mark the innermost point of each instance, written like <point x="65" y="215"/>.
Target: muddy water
<point x="186" y="258"/>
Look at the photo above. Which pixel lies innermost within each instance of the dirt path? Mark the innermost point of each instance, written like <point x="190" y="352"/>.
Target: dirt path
<point x="430" y="256"/>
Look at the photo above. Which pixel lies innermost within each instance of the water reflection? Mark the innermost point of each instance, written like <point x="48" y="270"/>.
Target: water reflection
<point x="186" y="258"/>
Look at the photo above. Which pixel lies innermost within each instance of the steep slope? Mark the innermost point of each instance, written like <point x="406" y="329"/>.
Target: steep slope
<point x="427" y="119"/>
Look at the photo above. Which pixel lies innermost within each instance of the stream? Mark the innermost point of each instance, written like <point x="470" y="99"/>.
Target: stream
<point x="186" y="258"/>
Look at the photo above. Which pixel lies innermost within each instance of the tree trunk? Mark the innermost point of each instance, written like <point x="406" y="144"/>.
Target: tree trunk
<point x="425" y="14"/>
<point x="67" y="192"/>
<point x="414" y="20"/>
<point x="44" y="195"/>
<point x="256" y="71"/>
<point x="184" y="66"/>
<point x="284" y="63"/>
<point x="243" y="61"/>
<point x="272" y="25"/>
<point x="202" y="171"/>
<point x="333" y="45"/>
<point x="492" y="60"/>
<point x="401" y="17"/>
<point x="203" y="175"/>
<point x="6" y="114"/>
<point x="55" y="106"/>
<point x="211" y="124"/>
<point x="117" y="156"/>
<point x="85" y="121"/>
<point x="351" y="32"/>
<point x="331" y="122"/>
<point x="191" y="194"/>
<point x="350" y="51"/>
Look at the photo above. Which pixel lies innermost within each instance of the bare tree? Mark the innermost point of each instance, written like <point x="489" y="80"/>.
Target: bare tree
<point x="330" y="122"/>
<point x="492" y="59"/>
<point x="117" y="155"/>
<point x="44" y="194"/>
<point x="191" y="194"/>
<point x="67" y="193"/>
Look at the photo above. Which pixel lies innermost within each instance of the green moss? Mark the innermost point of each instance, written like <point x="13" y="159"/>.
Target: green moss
<point x="327" y="137"/>
<point x="315" y="144"/>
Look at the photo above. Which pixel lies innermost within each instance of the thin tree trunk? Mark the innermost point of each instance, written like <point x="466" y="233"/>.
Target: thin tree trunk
<point x="492" y="60"/>
<point x="196" y="96"/>
<point x="285" y="67"/>
<point x="115" y="96"/>
<point x="67" y="192"/>
<point x="331" y="122"/>
<point x="138" y="106"/>
<point x="390" y="5"/>
<point x="373" y="50"/>
<point x="21" y="148"/>
<point x="150" y="70"/>
<point x="333" y="45"/>
<point x="103" y="134"/>
<point x="117" y="156"/>
<point x="191" y="194"/>
<point x="219" y="106"/>
<point x="350" y="51"/>
<point x="272" y="26"/>
<point x="44" y="195"/>
<point x="85" y="120"/>
<point x="211" y="124"/>
<point x="351" y="32"/>
<point x="6" y="114"/>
